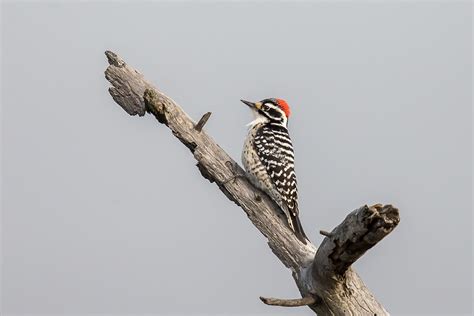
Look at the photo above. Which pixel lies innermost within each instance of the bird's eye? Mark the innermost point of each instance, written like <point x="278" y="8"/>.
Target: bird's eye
<point x="266" y="107"/>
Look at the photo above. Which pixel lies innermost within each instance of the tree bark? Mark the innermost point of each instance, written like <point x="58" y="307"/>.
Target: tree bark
<point x="325" y="279"/>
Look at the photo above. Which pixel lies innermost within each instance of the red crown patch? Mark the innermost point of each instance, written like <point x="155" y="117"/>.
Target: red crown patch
<point x="284" y="106"/>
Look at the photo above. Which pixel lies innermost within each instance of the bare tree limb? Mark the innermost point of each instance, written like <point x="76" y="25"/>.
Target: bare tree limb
<point x="325" y="233"/>
<point x="304" y="301"/>
<point x="324" y="276"/>
<point x="202" y="121"/>
<point x="336" y="282"/>
<point x="359" y="232"/>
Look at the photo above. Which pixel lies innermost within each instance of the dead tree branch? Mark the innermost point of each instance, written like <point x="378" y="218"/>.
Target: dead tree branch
<point x="202" y="121"/>
<point x="304" y="301"/>
<point x="324" y="276"/>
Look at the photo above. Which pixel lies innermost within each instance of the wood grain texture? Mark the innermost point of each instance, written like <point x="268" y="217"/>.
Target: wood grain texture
<point x="323" y="276"/>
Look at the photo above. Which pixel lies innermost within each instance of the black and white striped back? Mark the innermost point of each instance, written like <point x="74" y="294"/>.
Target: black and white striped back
<point x="273" y="146"/>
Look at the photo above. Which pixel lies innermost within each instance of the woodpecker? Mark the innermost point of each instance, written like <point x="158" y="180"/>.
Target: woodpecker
<point x="268" y="158"/>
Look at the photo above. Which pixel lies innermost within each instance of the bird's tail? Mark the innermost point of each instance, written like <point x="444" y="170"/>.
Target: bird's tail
<point x="294" y="222"/>
<point x="298" y="228"/>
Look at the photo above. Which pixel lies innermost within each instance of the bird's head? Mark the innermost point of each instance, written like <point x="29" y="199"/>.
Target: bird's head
<point x="269" y="111"/>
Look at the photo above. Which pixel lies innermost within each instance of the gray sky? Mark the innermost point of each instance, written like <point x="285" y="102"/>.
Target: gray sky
<point x="105" y="213"/>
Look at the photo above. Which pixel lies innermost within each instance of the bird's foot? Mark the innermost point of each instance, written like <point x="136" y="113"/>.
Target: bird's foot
<point x="236" y="172"/>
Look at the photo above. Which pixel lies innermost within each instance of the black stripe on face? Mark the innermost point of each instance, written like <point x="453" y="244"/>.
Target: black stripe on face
<point x="272" y="112"/>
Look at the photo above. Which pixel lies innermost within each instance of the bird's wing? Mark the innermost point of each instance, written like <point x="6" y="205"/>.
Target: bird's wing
<point x="276" y="154"/>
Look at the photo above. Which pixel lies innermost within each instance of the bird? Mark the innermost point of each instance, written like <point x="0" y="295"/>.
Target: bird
<point x="268" y="158"/>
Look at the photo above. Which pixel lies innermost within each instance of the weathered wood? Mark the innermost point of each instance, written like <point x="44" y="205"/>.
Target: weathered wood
<point x="359" y="232"/>
<point x="335" y="281"/>
<point x="325" y="233"/>
<point x="202" y="121"/>
<point x="324" y="277"/>
<point x="297" y="302"/>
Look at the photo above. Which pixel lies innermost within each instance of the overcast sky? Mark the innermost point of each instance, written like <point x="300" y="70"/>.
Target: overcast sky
<point x="107" y="213"/>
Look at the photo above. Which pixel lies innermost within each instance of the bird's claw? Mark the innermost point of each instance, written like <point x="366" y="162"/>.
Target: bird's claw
<point x="235" y="172"/>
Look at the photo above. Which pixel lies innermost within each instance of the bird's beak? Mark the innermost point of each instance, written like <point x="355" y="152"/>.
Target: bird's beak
<point x="256" y="105"/>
